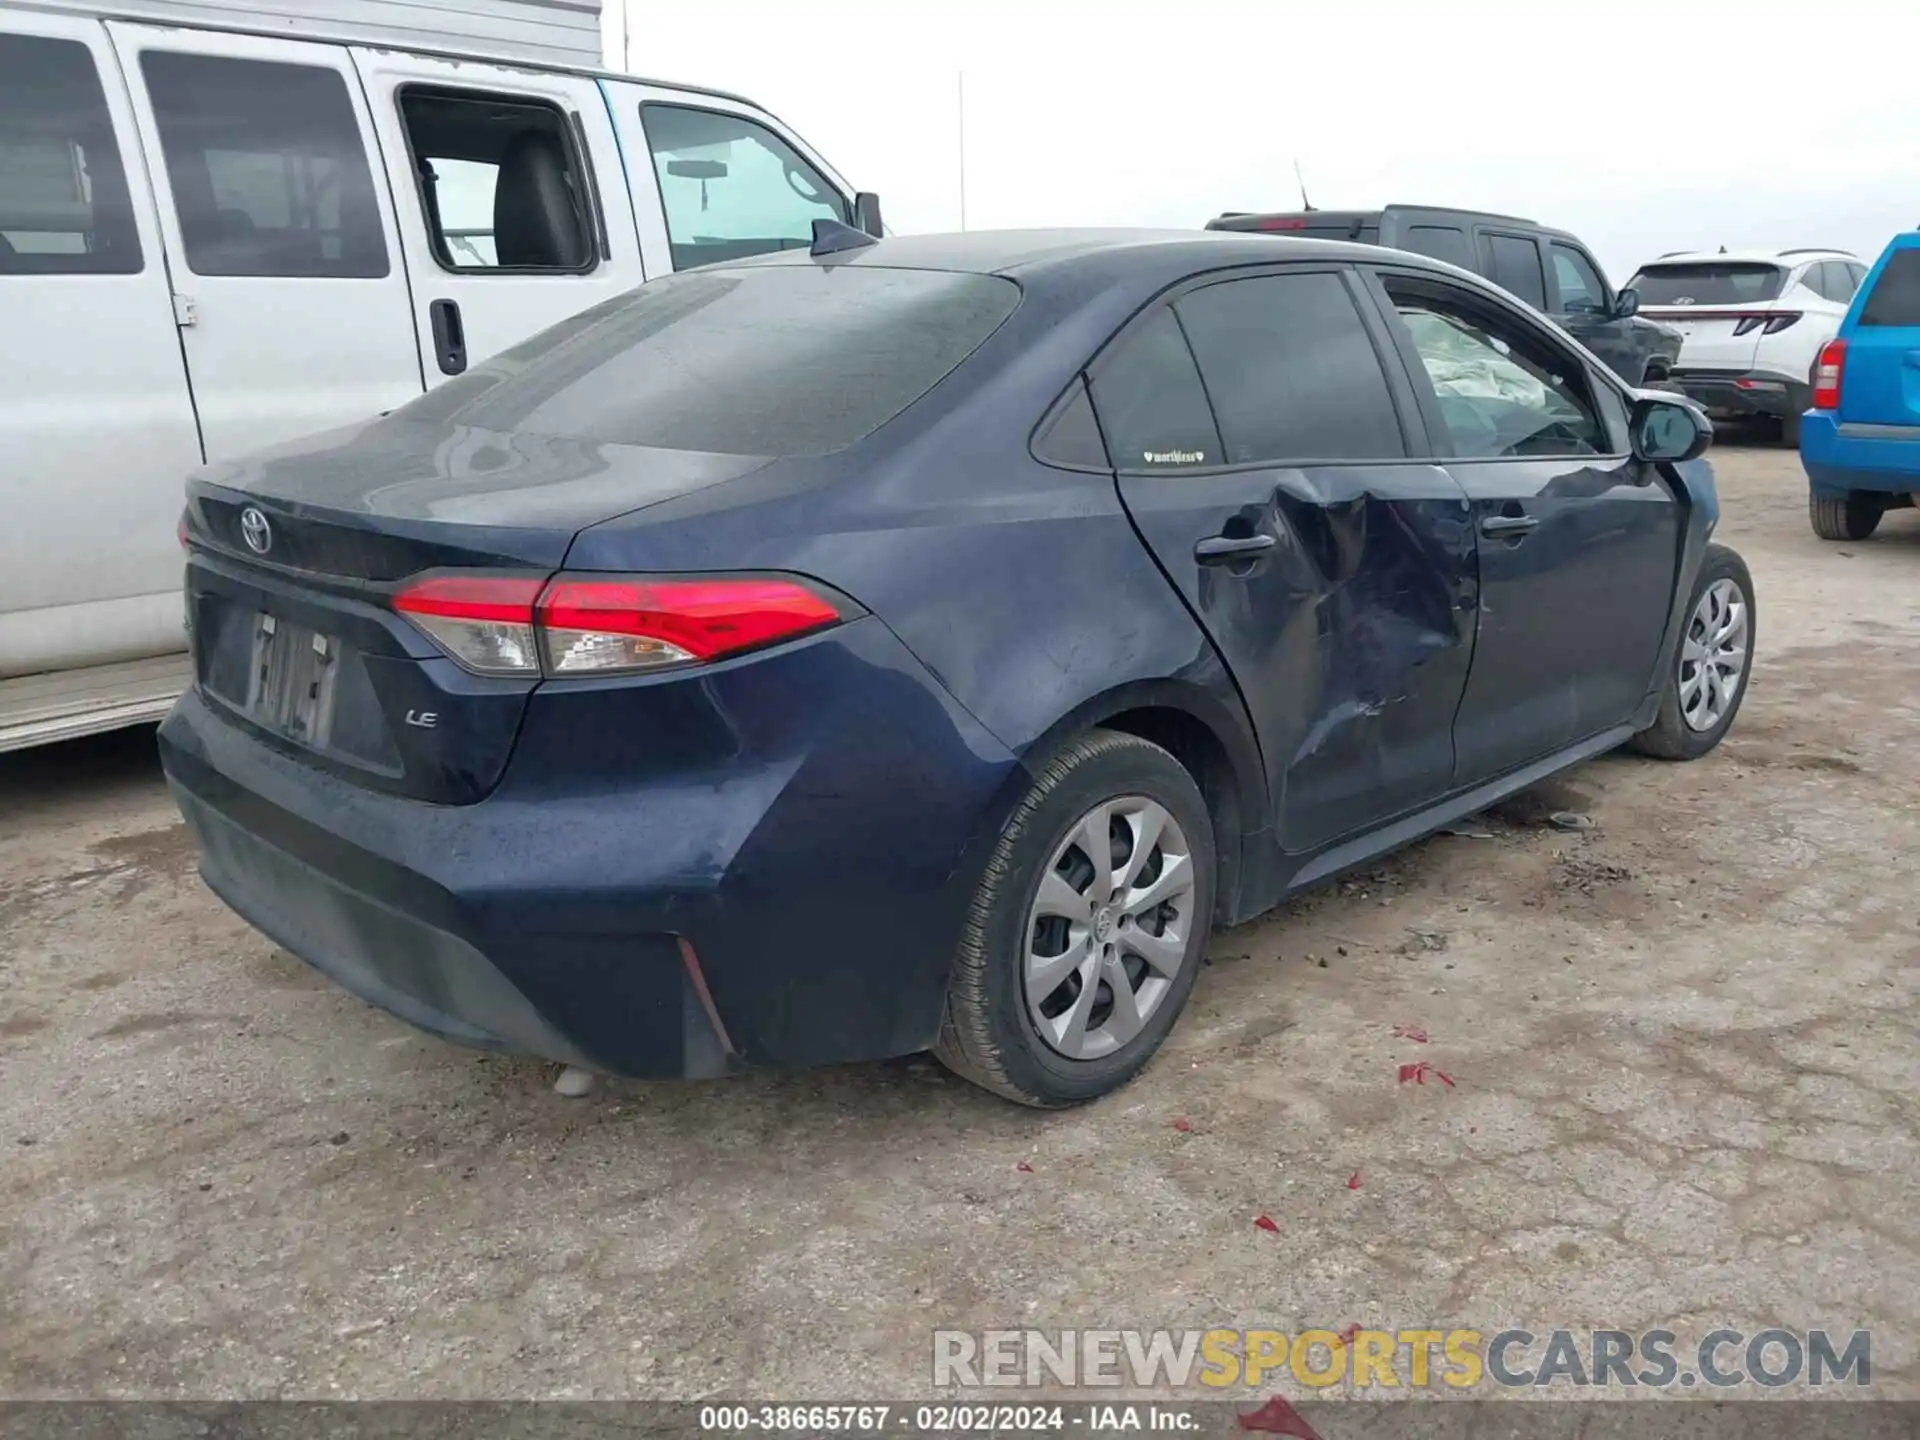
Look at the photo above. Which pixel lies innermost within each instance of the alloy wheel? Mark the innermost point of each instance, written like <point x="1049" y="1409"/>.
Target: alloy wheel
<point x="1713" y="656"/>
<point x="1108" y="930"/>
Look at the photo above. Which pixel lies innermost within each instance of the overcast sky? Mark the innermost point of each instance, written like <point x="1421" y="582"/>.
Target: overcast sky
<point x="1642" y="127"/>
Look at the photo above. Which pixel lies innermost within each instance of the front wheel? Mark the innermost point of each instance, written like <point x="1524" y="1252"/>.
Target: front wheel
<point x="1709" y="675"/>
<point x="1852" y="516"/>
<point x="1088" y="928"/>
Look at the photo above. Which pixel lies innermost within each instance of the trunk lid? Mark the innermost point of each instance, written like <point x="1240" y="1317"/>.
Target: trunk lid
<point x="296" y="555"/>
<point x="1721" y="308"/>
<point x="1880" y="381"/>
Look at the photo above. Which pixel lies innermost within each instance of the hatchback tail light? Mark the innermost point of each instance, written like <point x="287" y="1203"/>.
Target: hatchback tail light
<point x="1775" y="322"/>
<point x="1826" y="375"/>
<point x="604" y="625"/>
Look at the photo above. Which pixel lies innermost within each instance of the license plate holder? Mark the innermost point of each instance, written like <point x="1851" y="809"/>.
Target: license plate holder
<point x="291" y="682"/>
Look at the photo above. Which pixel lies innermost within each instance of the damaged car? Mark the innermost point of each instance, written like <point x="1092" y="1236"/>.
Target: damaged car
<point x="922" y="643"/>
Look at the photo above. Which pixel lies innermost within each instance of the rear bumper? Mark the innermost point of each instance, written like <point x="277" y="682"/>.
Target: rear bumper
<point x="798" y="907"/>
<point x="1837" y="462"/>
<point x="1743" y="393"/>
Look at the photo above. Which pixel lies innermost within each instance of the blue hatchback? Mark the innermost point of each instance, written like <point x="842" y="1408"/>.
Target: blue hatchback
<point x="922" y="643"/>
<point x="1860" y="443"/>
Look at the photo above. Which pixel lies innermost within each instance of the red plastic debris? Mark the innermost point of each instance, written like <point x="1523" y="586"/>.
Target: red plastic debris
<point x="1024" y="1168"/>
<point x="1263" y="1223"/>
<point x="1410" y="1032"/>
<point x="1278" y="1417"/>
<point x="1420" y="1070"/>
<point x="1353" y="1181"/>
<point x="1350" y="1334"/>
<point x="1182" y="1124"/>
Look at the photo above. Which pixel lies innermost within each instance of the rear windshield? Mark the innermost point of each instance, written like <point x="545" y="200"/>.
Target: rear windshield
<point x="1895" y="297"/>
<point x="1723" y="283"/>
<point x="776" y="360"/>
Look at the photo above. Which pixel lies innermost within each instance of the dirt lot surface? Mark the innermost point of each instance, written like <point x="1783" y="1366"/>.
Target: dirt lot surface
<point x="1685" y="1047"/>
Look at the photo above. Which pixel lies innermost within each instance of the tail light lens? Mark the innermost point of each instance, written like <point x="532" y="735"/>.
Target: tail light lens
<point x="180" y="532"/>
<point x="1282" y="224"/>
<point x="1774" y="322"/>
<point x="594" y="625"/>
<point x="1826" y="375"/>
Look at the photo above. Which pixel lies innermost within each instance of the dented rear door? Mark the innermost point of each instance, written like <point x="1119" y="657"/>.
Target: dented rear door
<point x="1333" y="574"/>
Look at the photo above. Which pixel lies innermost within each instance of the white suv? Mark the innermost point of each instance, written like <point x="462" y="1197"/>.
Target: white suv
<point x="1752" y="325"/>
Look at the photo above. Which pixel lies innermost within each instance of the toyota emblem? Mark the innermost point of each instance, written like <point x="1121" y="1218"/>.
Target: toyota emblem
<point x="255" y="530"/>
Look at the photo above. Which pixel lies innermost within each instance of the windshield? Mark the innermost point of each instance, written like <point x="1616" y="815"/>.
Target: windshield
<point x="1714" y="283"/>
<point x="775" y="360"/>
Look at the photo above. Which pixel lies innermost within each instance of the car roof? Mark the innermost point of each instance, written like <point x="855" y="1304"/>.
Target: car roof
<point x="1017" y="253"/>
<point x="1797" y="256"/>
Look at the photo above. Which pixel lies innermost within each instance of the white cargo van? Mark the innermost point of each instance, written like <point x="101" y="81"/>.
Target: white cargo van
<point x="226" y="224"/>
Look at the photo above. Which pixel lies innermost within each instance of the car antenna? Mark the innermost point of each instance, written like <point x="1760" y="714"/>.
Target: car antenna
<point x="1305" y="204"/>
<point x="831" y="236"/>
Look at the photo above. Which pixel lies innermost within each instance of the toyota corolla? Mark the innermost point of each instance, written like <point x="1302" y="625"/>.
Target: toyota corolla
<point x="922" y="643"/>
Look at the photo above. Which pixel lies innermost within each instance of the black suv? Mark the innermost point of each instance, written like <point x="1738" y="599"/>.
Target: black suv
<point x="1549" y="269"/>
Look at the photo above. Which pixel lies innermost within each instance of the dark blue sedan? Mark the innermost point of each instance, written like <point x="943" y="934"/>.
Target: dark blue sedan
<point x="924" y="642"/>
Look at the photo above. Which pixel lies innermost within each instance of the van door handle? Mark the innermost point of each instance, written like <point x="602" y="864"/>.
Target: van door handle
<point x="1225" y="549"/>
<point x="449" y="336"/>
<point x="1510" y="527"/>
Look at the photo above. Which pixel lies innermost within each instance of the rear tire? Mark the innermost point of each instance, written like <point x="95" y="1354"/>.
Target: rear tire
<point x="1852" y="516"/>
<point x="1118" y="787"/>
<point x="1707" y="678"/>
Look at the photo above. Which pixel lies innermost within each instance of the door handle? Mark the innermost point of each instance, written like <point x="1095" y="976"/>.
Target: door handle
<point x="1226" y="549"/>
<point x="449" y="336"/>
<point x="1510" y="527"/>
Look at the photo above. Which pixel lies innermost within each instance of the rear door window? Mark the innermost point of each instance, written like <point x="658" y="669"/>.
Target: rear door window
<point x="501" y="181"/>
<point x="64" y="207"/>
<point x="1151" y="405"/>
<point x="780" y="360"/>
<point x="266" y="166"/>
<point x="1895" y="297"/>
<point x="1290" y="368"/>
<point x="1710" y="283"/>
<point x="731" y="187"/>
<point x="1514" y="265"/>
<point x="1442" y="242"/>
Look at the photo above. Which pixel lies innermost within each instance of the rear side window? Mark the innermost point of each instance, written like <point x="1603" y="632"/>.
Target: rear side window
<point x="1710" y="283"/>
<point x="1150" y="403"/>
<point x="1442" y="242"/>
<point x="781" y="360"/>
<point x="500" y="181"/>
<point x="64" y="207"/>
<point x="268" y="173"/>
<point x="1516" y="268"/>
<point x="1291" y="371"/>
<point x="1895" y="297"/>
<point x="731" y="187"/>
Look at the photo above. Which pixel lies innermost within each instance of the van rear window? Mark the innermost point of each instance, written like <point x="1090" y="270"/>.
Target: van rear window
<point x="1895" y="297"/>
<point x="755" y="360"/>
<point x="1711" y="283"/>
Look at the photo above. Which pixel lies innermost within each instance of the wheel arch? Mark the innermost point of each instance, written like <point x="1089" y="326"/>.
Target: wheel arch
<point x="1210" y="738"/>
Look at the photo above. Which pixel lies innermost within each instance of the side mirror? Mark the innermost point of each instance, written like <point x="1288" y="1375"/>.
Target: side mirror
<point x="1626" y="303"/>
<point x="1664" y="428"/>
<point x="866" y="213"/>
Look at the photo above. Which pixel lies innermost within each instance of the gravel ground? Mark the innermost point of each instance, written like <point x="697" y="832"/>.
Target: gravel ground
<point x="1685" y="1047"/>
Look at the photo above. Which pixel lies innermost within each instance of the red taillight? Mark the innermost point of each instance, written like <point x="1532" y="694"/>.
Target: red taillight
<point x="588" y="625"/>
<point x="1280" y="224"/>
<point x="485" y="622"/>
<point x="1826" y="375"/>
<point x="180" y="532"/>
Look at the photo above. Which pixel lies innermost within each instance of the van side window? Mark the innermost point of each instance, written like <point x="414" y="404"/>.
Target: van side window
<point x="500" y="180"/>
<point x="64" y="207"/>
<point x="730" y="187"/>
<point x="268" y="172"/>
